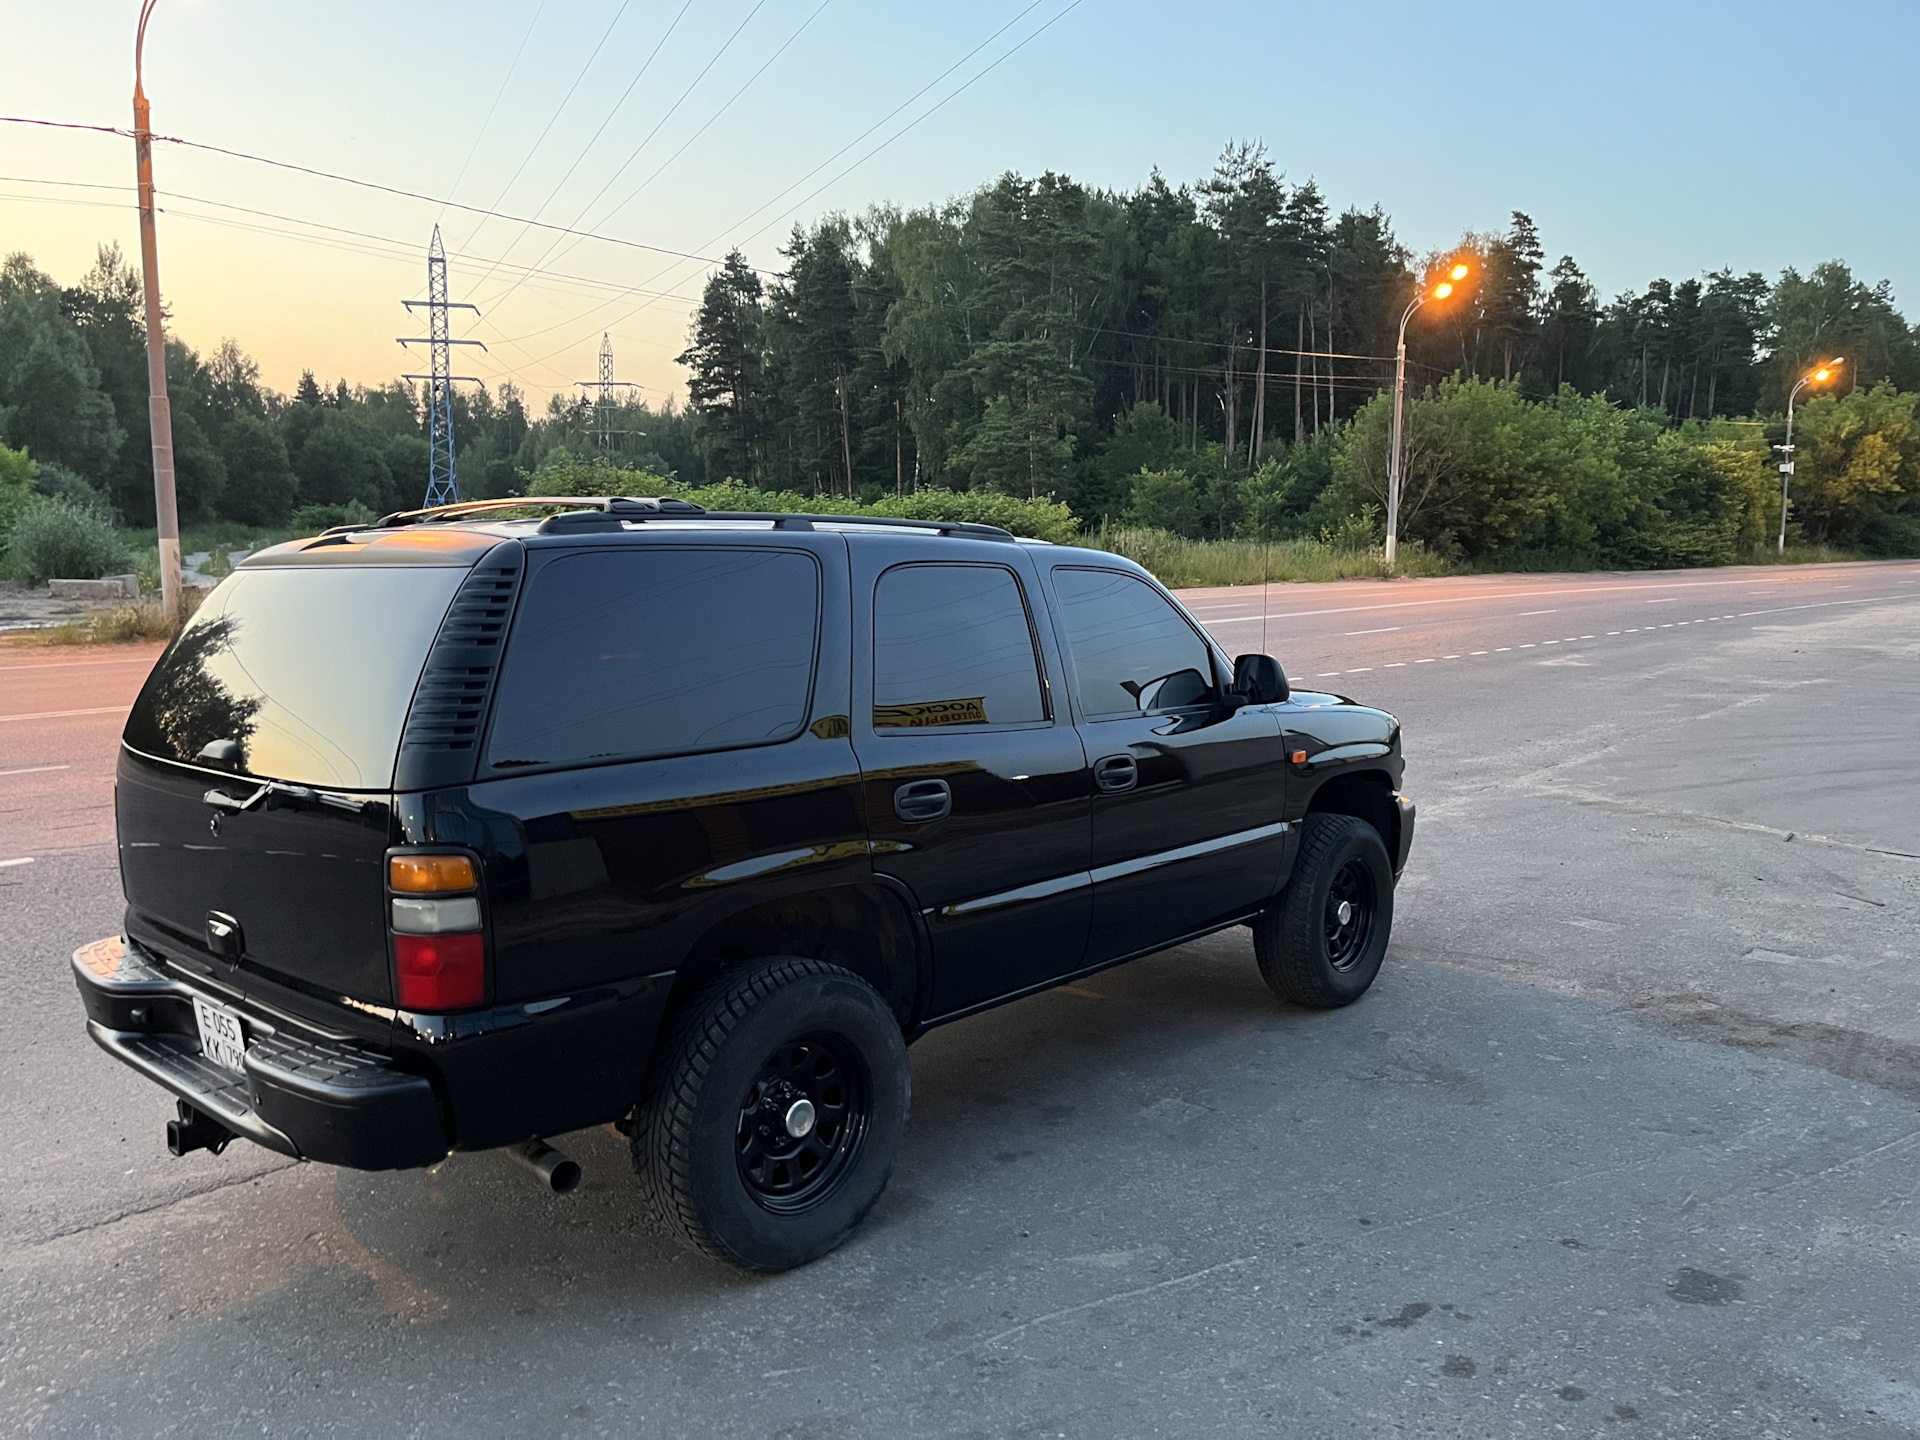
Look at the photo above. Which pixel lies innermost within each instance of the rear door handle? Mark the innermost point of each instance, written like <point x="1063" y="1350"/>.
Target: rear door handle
<point x="921" y="800"/>
<point x="1116" y="772"/>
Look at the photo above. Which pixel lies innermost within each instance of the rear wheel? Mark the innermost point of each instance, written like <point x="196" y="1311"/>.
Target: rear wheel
<point x="1322" y="942"/>
<point x="773" y="1110"/>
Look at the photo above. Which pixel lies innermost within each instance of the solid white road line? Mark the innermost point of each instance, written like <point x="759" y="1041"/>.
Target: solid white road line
<point x="62" y="714"/>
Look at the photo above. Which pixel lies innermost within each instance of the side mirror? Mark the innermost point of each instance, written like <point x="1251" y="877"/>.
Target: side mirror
<point x="1260" y="679"/>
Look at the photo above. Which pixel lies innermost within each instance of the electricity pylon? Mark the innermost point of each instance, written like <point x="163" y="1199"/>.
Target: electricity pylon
<point x="443" y="485"/>
<point x="603" y="404"/>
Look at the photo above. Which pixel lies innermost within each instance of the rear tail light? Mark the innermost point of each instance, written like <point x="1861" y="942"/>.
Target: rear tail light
<point x="440" y="972"/>
<point x="439" y="948"/>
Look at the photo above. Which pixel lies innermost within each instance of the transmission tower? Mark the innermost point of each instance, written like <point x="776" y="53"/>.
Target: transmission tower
<point x="443" y="485"/>
<point x="603" y="404"/>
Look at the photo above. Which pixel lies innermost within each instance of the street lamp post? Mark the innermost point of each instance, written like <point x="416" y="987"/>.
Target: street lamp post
<point x="1428" y="292"/>
<point x="1818" y="376"/>
<point x="166" y="511"/>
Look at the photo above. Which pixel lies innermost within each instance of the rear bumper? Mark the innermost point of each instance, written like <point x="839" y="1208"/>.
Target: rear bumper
<point x="467" y="1082"/>
<point x="1404" y="832"/>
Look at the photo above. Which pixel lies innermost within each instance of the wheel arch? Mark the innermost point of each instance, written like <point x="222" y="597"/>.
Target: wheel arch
<point x="1364" y="794"/>
<point x="872" y="929"/>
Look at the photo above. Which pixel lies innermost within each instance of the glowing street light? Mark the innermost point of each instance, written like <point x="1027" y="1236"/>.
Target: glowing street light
<point x="1429" y="291"/>
<point x="1819" y="375"/>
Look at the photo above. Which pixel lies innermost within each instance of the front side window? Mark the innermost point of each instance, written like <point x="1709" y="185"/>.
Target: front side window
<point x="952" y="645"/>
<point x="1132" y="651"/>
<point x="657" y="651"/>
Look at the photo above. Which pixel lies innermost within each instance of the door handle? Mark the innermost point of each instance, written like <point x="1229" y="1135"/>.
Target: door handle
<point x="921" y="800"/>
<point x="1116" y="772"/>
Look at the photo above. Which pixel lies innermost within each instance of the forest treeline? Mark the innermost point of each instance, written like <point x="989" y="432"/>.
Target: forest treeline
<point x="1208" y="359"/>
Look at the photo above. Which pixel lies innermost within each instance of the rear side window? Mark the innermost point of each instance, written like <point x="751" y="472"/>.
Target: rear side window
<point x="309" y="671"/>
<point x="952" y="645"/>
<point x="1132" y="650"/>
<point x="657" y="651"/>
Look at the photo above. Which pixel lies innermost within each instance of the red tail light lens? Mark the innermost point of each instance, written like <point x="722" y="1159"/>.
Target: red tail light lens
<point x="439" y="972"/>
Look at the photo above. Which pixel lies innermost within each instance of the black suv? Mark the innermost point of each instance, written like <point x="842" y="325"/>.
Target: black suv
<point x="462" y="830"/>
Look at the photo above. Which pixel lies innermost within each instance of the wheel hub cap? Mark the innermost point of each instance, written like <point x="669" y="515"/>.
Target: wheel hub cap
<point x="799" y="1118"/>
<point x="1343" y="912"/>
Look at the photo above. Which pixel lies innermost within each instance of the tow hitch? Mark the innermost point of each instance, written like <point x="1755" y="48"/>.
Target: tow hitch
<point x="195" y="1130"/>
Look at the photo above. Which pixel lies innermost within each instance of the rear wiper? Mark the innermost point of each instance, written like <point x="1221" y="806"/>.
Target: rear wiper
<point x="220" y="800"/>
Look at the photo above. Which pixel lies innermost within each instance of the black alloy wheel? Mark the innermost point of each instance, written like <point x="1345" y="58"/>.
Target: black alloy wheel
<point x="801" y="1122"/>
<point x="1349" y="915"/>
<point x="1322" y="940"/>
<point x="774" y="1104"/>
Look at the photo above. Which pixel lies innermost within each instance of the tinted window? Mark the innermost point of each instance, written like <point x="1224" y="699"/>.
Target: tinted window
<point x="657" y="651"/>
<point x="952" y="646"/>
<point x="309" y="670"/>
<point x="1131" y="649"/>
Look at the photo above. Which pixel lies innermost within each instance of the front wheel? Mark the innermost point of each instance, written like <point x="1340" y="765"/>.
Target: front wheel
<point x="773" y="1110"/>
<point x="1322" y="943"/>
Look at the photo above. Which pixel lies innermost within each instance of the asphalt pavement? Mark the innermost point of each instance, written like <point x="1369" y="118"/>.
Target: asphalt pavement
<point x="1624" y="1140"/>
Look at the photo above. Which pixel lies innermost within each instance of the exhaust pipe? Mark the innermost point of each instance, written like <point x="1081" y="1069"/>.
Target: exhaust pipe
<point x="556" y="1171"/>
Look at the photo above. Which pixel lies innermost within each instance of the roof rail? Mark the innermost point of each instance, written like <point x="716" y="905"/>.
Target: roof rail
<point x="606" y="512"/>
<point x="783" y="520"/>
<point x="625" y="507"/>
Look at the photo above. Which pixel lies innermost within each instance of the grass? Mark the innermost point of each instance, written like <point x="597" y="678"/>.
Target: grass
<point x="143" y="619"/>
<point x="1178" y="562"/>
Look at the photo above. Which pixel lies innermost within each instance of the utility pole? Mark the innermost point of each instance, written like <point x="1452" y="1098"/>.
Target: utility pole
<point x="443" y="485"/>
<point x="603" y="400"/>
<point x="166" y="510"/>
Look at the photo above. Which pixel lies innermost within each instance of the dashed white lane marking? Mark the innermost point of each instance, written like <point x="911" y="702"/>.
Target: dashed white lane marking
<point x="23" y="860"/>
<point x="1430" y="659"/>
<point x="1383" y="630"/>
<point x="35" y="769"/>
<point x="1665" y="600"/>
<point x="1525" y="613"/>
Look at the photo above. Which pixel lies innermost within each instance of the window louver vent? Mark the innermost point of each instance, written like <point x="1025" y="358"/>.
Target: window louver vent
<point x="450" y="706"/>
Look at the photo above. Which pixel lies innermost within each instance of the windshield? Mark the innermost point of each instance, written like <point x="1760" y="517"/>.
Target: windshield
<point x="308" y="671"/>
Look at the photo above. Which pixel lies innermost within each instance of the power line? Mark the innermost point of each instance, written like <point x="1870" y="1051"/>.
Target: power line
<point x="498" y="95"/>
<point x="375" y="185"/>
<point x="554" y="118"/>
<point x="707" y="125"/>
<point x="1030" y="8"/>
<point x="665" y="36"/>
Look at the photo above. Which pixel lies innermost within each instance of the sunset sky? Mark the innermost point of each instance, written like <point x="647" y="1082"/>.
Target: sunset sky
<point x="1644" y="139"/>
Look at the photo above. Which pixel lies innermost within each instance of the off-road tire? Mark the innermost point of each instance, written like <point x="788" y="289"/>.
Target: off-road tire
<point x="687" y="1127"/>
<point x="1305" y="955"/>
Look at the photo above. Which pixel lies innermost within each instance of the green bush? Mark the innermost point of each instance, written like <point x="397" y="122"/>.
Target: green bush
<point x="52" y="539"/>
<point x="1035" y="519"/>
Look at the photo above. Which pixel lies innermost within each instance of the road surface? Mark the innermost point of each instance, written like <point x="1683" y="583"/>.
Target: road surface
<point x="1623" y="1141"/>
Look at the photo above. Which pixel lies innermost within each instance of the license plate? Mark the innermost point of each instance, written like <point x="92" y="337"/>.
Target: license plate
<point x="221" y="1039"/>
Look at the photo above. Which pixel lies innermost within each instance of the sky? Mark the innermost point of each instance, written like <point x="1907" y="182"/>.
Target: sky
<point x="1644" y="139"/>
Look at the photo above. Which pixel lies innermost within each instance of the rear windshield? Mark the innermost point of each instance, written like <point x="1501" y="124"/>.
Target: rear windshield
<point x="309" y="671"/>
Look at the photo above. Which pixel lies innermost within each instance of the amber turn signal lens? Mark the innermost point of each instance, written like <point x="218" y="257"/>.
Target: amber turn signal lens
<point x="425" y="874"/>
<point x="1299" y="757"/>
